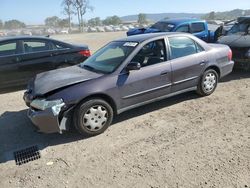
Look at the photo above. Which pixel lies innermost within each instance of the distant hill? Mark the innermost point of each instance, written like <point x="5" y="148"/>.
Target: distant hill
<point x="228" y="15"/>
<point x="156" y="17"/>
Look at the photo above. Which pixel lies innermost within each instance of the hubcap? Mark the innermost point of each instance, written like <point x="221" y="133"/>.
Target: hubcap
<point x="95" y="118"/>
<point x="209" y="82"/>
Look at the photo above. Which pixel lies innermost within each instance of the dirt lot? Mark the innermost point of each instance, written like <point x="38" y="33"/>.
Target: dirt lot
<point x="184" y="141"/>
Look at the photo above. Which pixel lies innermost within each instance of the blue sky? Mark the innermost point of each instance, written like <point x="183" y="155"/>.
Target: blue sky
<point x="35" y="11"/>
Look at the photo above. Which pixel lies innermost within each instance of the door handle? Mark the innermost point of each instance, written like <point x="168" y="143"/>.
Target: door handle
<point x="164" y="73"/>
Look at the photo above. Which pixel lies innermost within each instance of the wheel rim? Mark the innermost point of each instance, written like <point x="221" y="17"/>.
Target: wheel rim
<point x="95" y="118"/>
<point x="209" y="82"/>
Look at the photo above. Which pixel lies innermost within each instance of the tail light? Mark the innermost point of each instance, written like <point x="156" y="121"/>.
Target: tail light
<point x="230" y="55"/>
<point x="85" y="53"/>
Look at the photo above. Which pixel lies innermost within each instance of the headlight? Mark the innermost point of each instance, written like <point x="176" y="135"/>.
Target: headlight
<point x="248" y="53"/>
<point x="42" y="104"/>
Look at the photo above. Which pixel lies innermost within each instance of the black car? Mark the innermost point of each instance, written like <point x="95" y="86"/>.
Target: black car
<point x="21" y="58"/>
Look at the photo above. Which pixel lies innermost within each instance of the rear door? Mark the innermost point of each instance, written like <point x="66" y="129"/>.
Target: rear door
<point x="152" y="81"/>
<point x="37" y="57"/>
<point x="188" y="61"/>
<point x="9" y="62"/>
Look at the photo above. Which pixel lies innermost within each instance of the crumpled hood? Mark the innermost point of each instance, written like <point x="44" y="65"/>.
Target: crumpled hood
<point x="56" y="79"/>
<point x="138" y="31"/>
<point x="235" y="40"/>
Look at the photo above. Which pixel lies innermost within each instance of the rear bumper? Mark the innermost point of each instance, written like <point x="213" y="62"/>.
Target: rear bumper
<point x="226" y="68"/>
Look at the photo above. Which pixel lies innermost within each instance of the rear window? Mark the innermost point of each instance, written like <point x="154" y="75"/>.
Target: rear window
<point x="181" y="47"/>
<point x="60" y="46"/>
<point x="35" y="46"/>
<point x="8" y="49"/>
<point x="198" y="27"/>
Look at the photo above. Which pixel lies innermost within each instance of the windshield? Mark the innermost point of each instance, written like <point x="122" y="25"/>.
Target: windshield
<point x="239" y="28"/>
<point x="163" y="26"/>
<point x="110" y="57"/>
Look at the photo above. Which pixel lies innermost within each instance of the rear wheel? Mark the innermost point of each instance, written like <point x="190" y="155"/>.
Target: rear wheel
<point x="93" y="117"/>
<point x="208" y="83"/>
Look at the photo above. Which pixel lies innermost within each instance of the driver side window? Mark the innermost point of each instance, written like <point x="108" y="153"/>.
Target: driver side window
<point x="152" y="53"/>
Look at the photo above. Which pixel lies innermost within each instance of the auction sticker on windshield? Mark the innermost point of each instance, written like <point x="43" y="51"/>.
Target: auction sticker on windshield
<point x="130" y="44"/>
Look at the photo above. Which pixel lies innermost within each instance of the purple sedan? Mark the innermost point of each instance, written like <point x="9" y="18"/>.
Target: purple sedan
<point x="124" y="74"/>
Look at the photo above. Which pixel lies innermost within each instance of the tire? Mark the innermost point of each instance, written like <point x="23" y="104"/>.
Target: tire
<point x="93" y="117"/>
<point x="208" y="82"/>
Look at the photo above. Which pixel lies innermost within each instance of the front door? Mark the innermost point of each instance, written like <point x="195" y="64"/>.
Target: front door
<point x="152" y="81"/>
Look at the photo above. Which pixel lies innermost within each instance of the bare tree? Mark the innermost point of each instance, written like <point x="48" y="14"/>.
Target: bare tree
<point x="81" y="6"/>
<point x="68" y="10"/>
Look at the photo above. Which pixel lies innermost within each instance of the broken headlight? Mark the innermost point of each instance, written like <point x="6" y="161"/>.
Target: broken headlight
<point x="42" y="104"/>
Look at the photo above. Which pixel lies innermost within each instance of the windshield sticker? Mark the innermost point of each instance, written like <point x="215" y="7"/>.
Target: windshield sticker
<point x="130" y="44"/>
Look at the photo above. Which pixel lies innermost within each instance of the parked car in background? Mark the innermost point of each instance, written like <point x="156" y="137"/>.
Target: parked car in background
<point x="13" y="33"/>
<point x="21" y="58"/>
<point x="108" y="29"/>
<point x="100" y="29"/>
<point x="92" y="29"/>
<point x="37" y="32"/>
<point x="64" y="31"/>
<point x="2" y="33"/>
<point x="198" y="28"/>
<point x="50" y="31"/>
<point x="122" y="75"/>
<point x="26" y="32"/>
<point x="117" y="28"/>
<point x="238" y="38"/>
<point x="124" y="28"/>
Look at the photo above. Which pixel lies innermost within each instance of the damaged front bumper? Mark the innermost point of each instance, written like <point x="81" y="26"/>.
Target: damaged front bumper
<point x="53" y="119"/>
<point x="47" y="122"/>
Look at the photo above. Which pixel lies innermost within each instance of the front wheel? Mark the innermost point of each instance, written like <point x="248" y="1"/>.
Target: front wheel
<point x="93" y="117"/>
<point x="208" y="83"/>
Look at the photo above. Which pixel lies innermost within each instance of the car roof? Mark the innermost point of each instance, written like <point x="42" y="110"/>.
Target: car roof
<point x="22" y="37"/>
<point x="177" y="21"/>
<point x="143" y="37"/>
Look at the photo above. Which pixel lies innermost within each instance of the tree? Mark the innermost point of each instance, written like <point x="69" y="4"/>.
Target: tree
<point x="142" y="19"/>
<point x="1" y="24"/>
<point x="63" y="23"/>
<point x="113" y="20"/>
<point x="68" y="10"/>
<point x="81" y="6"/>
<point x="211" y="16"/>
<point x="52" y="21"/>
<point x="95" y="22"/>
<point x="14" y="24"/>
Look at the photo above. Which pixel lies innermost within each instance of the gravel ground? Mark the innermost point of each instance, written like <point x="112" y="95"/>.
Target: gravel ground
<point x="184" y="141"/>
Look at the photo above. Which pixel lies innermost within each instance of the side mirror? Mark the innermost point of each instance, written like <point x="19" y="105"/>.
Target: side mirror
<point x="133" y="66"/>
